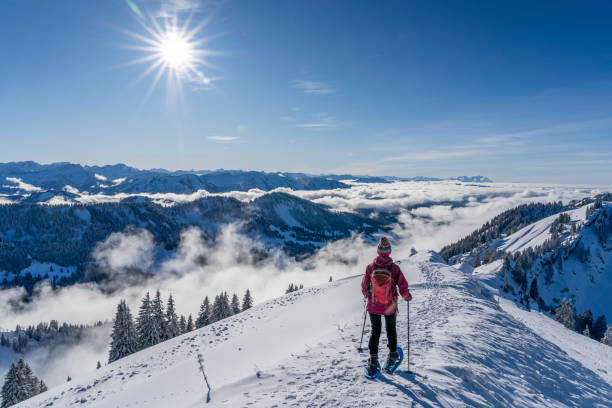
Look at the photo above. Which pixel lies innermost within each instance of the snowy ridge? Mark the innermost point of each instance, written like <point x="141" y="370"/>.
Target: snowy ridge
<point x="299" y="350"/>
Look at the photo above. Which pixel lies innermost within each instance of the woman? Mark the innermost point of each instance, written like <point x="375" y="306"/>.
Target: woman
<point x="380" y="283"/>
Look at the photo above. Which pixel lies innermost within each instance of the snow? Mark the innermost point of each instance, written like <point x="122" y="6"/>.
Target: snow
<point x="300" y="350"/>
<point x="21" y="185"/>
<point x="100" y="177"/>
<point x="42" y="268"/>
<point x="537" y="233"/>
<point x="284" y="212"/>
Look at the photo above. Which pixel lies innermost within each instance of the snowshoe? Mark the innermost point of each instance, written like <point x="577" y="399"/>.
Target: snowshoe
<point x="394" y="360"/>
<point x="372" y="370"/>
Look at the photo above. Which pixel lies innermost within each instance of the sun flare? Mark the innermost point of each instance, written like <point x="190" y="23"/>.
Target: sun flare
<point x="173" y="50"/>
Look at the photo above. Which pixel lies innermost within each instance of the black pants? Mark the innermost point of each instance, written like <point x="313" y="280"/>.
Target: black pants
<point x="376" y="321"/>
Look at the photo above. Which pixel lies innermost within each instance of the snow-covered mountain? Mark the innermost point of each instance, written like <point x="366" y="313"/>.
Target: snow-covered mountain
<point x="563" y="256"/>
<point x="65" y="235"/>
<point x="27" y="177"/>
<point x="468" y="347"/>
<point x="66" y="182"/>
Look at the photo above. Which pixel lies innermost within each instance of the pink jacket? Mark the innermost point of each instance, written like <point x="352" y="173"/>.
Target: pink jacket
<point x="398" y="279"/>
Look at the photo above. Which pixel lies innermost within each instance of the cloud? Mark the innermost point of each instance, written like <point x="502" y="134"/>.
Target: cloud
<point x="322" y="123"/>
<point x="119" y="251"/>
<point x="223" y="139"/>
<point x="313" y="87"/>
<point x="171" y="8"/>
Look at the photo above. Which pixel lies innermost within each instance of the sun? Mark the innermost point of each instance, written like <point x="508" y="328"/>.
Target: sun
<point x="174" y="50"/>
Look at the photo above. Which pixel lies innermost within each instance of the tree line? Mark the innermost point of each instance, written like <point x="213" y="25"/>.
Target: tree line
<point x="583" y="323"/>
<point x="156" y="323"/>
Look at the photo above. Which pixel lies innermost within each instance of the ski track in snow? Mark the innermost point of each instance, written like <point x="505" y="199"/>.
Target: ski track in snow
<point x="300" y="351"/>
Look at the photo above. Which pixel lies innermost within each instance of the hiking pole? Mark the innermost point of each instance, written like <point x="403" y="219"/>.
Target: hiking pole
<point x="408" y="348"/>
<point x="365" y="313"/>
<point x="201" y="362"/>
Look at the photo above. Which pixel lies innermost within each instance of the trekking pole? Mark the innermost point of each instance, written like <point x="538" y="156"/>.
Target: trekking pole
<point x="201" y="362"/>
<point x="408" y="348"/>
<point x="365" y="313"/>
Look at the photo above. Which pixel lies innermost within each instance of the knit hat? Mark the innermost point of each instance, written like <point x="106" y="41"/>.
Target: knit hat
<point x="384" y="247"/>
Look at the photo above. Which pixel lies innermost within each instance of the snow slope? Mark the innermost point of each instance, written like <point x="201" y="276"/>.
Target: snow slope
<point x="300" y="350"/>
<point x="537" y="233"/>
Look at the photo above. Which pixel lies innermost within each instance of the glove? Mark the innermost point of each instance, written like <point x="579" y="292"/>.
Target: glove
<point x="408" y="297"/>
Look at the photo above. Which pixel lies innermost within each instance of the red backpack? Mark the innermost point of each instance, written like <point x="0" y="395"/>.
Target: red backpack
<point x="381" y="286"/>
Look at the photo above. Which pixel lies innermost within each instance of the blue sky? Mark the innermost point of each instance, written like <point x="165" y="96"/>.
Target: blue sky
<point x="517" y="92"/>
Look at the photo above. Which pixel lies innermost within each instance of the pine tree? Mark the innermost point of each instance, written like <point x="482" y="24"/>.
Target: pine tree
<point x="599" y="328"/>
<point x="183" y="324"/>
<point x="172" y="323"/>
<point x="30" y="382"/>
<point x="42" y="387"/>
<point x="226" y="304"/>
<point x="566" y="314"/>
<point x="146" y="327"/>
<point x="68" y="379"/>
<point x="586" y="331"/>
<point x="124" y="340"/>
<point x="330" y="278"/>
<point x="247" y="300"/>
<point x="607" y="337"/>
<point x="235" y="304"/>
<point x="586" y="319"/>
<point x="20" y="384"/>
<point x="204" y="317"/>
<point x="12" y="392"/>
<point x="98" y="366"/>
<point x="157" y="313"/>
<point x="533" y="291"/>
<point x="189" y="323"/>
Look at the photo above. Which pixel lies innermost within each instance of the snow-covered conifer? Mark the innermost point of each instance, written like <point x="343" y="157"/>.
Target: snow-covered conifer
<point x="189" y="323"/>
<point x="586" y="331"/>
<point x="20" y="384"/>
<point x="607" y="337"/>
<point x="235" y="304"/>
<point x="247" y="300"/>
<point x="566" y="314"/>
<point x="124" y="340"/>
<point x="146" y="327"/>
<point x="204" y="317"/>
<point x="172" y="323"/>
<point x="157" y="314"/>
<point x="12" y="392"/>
<point x="599" y="327"/>
<point x="183" y="324"/>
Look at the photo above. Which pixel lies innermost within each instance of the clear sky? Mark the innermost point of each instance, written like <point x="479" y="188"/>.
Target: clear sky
<point x="520" y="91"/>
